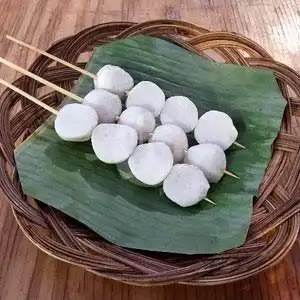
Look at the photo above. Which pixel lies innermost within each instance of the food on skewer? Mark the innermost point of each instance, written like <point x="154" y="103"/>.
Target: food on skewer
<point x="114" y="143"/>
<point x="210" y="159"/>
<point x="126" y="174"/>
<point x="186" y="185"/>
<point x="216" y="127"/>
<point x="140" y="119"/>
<point x="151" y="163"/>
<point x="113" y="79"/>
<point x="174" y="137"/>
<point x="107" y="105"/>
<point x="148" y="164"/>
<point x="180" y="111"/>
<point x="147" y="95"/>
<point x="109" y="77"/>
<point x="75" y="122"/>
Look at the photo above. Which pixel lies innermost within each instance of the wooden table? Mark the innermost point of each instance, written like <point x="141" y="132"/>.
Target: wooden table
<point x="27" y="273"/>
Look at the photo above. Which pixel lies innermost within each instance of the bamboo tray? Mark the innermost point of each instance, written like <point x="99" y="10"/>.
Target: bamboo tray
<point x="275" y="221"/>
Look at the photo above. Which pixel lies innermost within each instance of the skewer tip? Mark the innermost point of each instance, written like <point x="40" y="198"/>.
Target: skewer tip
<point x="230" y="174"/>
<point x="209" y="201"/>
<point x="239" y="145"/>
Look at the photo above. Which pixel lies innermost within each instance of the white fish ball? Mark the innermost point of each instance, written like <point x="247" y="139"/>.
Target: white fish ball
<point x="113" y="79"/>
<point x="186" y="185"/>
<point x="107" y="105"/>
<point x="148" y="95"/>
<point x="151" y="163"/>
<point x="126" y="174"/>
<point x="140" y="119"/>
<point x="114" y="143"/>
<point x="216" y="127"/>
<point x="174" y="137"/>
<point x="209" y="158"/>
<point x="180" y="111"/>
<point x="75" y="122"/>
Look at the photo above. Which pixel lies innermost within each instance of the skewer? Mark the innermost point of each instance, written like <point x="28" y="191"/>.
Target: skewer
<point x="29" y="97"/>
<point x="239" y="145"/>
<point x="41" y="80"/>
<point x="210" y="201"/>
<point x="63" y="62"/>
<point x="230" y="174"/>
<point x="80" y="70"/>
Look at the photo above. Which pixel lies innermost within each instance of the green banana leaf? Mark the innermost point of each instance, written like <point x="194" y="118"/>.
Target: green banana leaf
<point x="69" y="177"/>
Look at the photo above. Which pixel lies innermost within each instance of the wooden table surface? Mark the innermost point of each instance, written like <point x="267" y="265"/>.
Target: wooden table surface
<point x="27" y="273"/>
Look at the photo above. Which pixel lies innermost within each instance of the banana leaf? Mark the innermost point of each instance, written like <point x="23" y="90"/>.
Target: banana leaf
<point x="69" y="177"/>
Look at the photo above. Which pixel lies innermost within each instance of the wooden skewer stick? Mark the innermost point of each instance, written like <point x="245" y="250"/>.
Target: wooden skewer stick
<point x="210" y="201"/>
<point x="63" y="62"/>
<point x="230" y="174"/>
<point x="41" y="80"/>
<point x="29" y="97"/>
<point x="239" y="145"/>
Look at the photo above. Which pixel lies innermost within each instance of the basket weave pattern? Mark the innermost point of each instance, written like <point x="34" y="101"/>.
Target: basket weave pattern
<point x="275" y="221"/>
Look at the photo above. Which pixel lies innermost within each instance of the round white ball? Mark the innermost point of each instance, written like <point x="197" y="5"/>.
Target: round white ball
<point x="174" y="137"/>
<point x="151" y="163"/>
<point x="140" y="119"/>
<point x="217" y="128"/>
<point x="114" y="143"/>
<point x="113" y="79"/>
<point x="75" y="122"/>
<point x="186" y="185"/>
<point x="180" y="111"/>
<point x="148" y="95"/>
<point x="126" y="174"/>
<point x="107" y="105"/>
<point x="209" y="158"/>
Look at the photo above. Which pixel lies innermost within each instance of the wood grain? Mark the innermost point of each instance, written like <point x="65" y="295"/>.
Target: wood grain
<point x="27" y="273"/>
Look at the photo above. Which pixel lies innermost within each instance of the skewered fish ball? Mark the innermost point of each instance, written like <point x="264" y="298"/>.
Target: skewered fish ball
<point x="148" y="95"/>
<point x="174" y="137"/>
<point x="113" y="79"/>
<point x="217" y="128"/>
<point x="75" y="122"/>
<point x="107" y="105"/>
<point x="209" y="158"/>
<point x="140" y="119"/>
<point x="114" y="143"/>
<point x="151" y="163"/>
<point x="186" y="185"/>
<point x="180" y="111"/>
<point x="126" y="174"/>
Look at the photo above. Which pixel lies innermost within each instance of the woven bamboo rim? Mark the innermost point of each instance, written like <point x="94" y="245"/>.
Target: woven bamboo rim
<point x="275" y="221"/>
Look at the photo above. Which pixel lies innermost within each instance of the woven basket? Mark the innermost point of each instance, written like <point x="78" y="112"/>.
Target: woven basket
<point x="275" y="221"/>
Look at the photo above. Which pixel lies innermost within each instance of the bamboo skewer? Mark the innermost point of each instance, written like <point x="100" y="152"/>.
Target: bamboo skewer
<point x="210" y="201"/>
<point x="239" y="145"/>
<point x="230" y="174"/>
<point x="29" y="97"/>
<point x="57" y="59"/>
<point x="82" y="71"/>
<point x="41" y="80"/>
